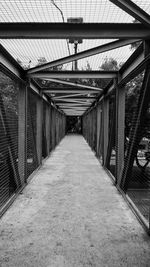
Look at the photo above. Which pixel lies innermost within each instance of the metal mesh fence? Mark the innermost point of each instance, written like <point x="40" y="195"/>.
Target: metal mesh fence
<point x="9" y="177"/>
<point x="131" y="172"/>
<point x="29" y="129"/>
<point x="137" y="142"/>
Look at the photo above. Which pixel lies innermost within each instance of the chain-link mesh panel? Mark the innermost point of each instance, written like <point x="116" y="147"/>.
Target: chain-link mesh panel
<point x="32" y="159"/>
<point x="9" y="177"/>
<point x="137" y="144"/>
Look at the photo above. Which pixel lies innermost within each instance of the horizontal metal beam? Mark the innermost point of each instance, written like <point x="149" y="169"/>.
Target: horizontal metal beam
<point x="83" y="54"/>
<point x="66" y="91"/>
<point x="74" y="108"/>
<point x="73" y="104"/>
<point x="73" y="30"/>
<point x="74" y="114"/>
<point x="77" y="85"/>
<point x="74" y="74"/>
<point x="74" y="98"/>
<point x="133" y="10"/>
<point x="70" y="103"/>
<point x="81" y="96"/>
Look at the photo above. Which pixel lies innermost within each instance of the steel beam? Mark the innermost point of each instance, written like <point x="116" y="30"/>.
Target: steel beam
<point x="66" y="91"/>
<point x="133" y="67"/>
<point x="133" y="10"/>
<point x="72" y="101"/>
<point x="73" y="109"/>
<point x="83" y="99"/>
<point x="83" y="54"/>
<point x="81" y="96"/>
<point x="86" y="99"/>
<point x="11" y="66"/>
<point x="73" y="105"/>
<point x="74" y="75"/>
<point x="77" y="85"/>
<point x="73" y="31"/>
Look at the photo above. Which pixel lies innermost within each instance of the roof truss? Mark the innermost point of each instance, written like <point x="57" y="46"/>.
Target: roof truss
<point x="84" y="54"/>
<point x="133" y="10"/>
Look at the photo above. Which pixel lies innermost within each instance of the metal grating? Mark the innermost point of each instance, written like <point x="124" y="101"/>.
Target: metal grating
<point x="9" y="176"/>
<point x="30" y="51"/>
<point x="138" y="182"/>
<point x="46" y="11"/>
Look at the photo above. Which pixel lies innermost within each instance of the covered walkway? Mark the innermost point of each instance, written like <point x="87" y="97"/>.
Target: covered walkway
<point x="70" y="214"/>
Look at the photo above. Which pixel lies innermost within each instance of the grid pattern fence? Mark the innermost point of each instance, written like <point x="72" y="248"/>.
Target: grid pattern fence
<point x="118" y="130"/>
<point x="9" y="176"/>
<point x="30" y="127"/>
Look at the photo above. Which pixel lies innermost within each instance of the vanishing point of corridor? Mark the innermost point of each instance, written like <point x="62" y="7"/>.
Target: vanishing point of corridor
<point x="71" y="215"/>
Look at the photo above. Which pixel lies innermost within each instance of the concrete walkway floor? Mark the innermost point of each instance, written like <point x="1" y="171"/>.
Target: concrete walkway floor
<point x="70" y="215"/>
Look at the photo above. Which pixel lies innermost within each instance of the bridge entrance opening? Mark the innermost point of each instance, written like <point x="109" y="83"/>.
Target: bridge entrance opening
<point x="73" y="124"/>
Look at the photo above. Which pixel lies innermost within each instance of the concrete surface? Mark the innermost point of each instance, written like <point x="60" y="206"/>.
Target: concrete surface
<point x="70" y="215"/>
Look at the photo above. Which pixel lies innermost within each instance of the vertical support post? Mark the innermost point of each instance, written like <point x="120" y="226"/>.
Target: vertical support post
<point x="48" y="129"/>
<point x="120" y="130"/>
<point x="105" y="125"/>
<point x="98" y="127"/>
<point x="39" y="128"/>
<point x="22" y="132"/>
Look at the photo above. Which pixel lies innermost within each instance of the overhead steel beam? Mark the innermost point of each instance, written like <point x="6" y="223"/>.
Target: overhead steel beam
<point x="72" y="100"/>
<point x="74" y="74"/>
<point x="133" y="10"/>
<point x="70" y="91"/>
<point x="72" y="96"/>
<point x="74" y="114"/>
<point x="84" y="54"/>
<point x="75" y="99"/>
<point x="74" y="108"/>
<point x="133" y="66"/>
<point x="73" y="104"/>
<point x="73" y="31"/>
<point x="77" y="85"/>
<point x="10" y="65"/>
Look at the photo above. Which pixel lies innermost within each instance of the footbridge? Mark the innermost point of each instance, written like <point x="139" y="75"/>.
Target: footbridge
<point x="75" y="108"/>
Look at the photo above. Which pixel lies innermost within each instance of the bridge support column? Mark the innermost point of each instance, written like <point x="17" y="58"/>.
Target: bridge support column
<point x="120" y="130"/>
<point x="105" y="125"/>
<point x="39" y="128"/>
<point x="22" y="132"/>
